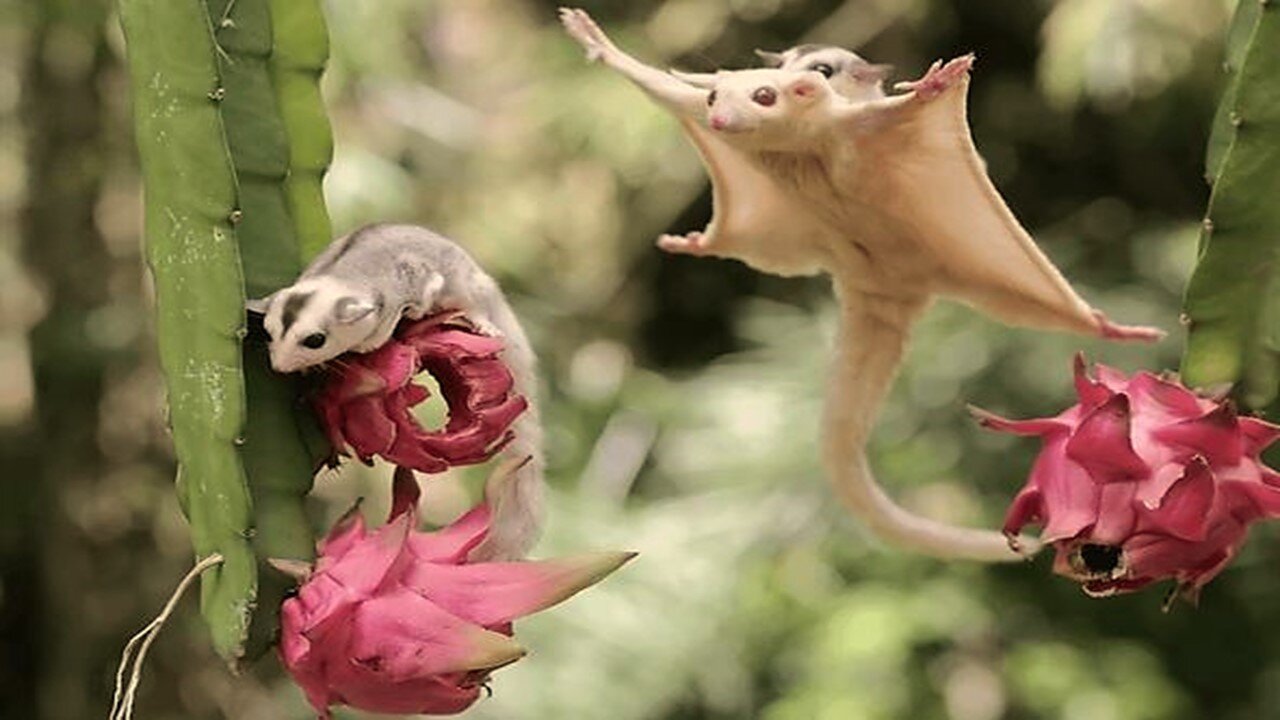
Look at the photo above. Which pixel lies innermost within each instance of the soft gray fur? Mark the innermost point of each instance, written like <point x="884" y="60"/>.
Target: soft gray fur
<point x="404" y="264"/>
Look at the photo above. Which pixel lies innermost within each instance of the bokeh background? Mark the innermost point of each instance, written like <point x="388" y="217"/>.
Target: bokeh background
<point x="682" y="395"/>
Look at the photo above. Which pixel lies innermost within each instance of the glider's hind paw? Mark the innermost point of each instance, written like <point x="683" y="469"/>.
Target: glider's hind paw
<point x="939" y="77"/>
<point x="694" y="243"/>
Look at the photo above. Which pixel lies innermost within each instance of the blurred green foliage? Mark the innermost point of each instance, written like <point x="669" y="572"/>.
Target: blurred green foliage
<point x="683" y="394"/>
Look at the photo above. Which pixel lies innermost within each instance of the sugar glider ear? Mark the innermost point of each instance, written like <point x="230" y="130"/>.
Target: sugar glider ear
<point x="259" y="306"/>
<point x="771" y="59"/>
<point x="870" y="72"/>
<point x="350" y="309"/>
<point x="706" y="81"/>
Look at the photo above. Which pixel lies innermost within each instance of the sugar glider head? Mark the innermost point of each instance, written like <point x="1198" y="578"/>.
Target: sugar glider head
<point x="315" y="321"/>
<point x="850" y="75"/>
<point x="764" y="109"/>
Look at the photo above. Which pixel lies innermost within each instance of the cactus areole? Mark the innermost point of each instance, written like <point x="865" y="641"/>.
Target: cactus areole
<point x="1143" y="480"/>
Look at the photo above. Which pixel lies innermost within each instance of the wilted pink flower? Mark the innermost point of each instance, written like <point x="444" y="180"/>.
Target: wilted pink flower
<point x="367" y="401"/>
<point x="397" y="621"/>
<point x="1143" y="480"/>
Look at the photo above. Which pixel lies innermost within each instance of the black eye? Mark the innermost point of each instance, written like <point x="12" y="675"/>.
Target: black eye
<point x="711" y="98"/>
<point x="824" y="68"/>
<point x="314" y="341"/>
<point x="765" y="96"/>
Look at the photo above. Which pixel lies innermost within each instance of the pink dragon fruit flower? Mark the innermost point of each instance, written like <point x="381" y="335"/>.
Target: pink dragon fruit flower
<point x="1142" y="481"/>
<point x="366" y="403"/>
<point x="398" y="621"/>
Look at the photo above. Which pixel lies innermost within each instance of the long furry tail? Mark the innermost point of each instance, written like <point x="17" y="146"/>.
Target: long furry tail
<point x="869" y="348"/>
<point x="516" y="503"/>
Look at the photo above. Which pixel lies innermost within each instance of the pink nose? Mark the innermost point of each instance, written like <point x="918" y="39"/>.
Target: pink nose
<point x="719" y="122"/>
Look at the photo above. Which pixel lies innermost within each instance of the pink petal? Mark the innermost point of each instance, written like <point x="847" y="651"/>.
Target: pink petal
<point x="1160" y="557"/>
<point x="1112" y="378"/>
<point x="404" y="495"/>
<point x="1090" y="392"/>
<point x="366" y="427"/>
<point x="491" y="378"/>
<point x="449" y="320"/>
<point x="1252" y="501"/>
<point x="346" y="532"/>
<point x="412" y="395"/>
<point x="351" y="381"/>
<point x="294" y="646"/>
<point x="368" y="404"/>
<point x="1152" y="490"/>
<point x="419" y="696"/>
<point x="1215" y="435"/>
<point x="1173" y="398"/>
<point x="1258" y="434"/>
<point x="1069" y="496"/>
<point x="295" y="654"/>
<point x="452" y="543"/>
<point x="1027" y="509"/>
<point x="478" y="440"/>
<point x="395" y="363"/>
<point x="1101" y="444"/>
<point x="1183" y="511"/>
<point x="385" y="369"/>
<point x="330" y="411"/>
<point x="401" y="635"/>
<point x="1117" y="514"/>
<point x="455" y="343"/>
<point x="498" y="592"/>
<point x="1038" y="426"/>
<point x="357" y="574"/>
<point x="409" y="452"/>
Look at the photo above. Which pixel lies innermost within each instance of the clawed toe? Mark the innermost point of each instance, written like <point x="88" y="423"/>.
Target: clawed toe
<point x="583" y="29"/>
<point x="939" y="77"/>
<point x="487" y="327"/>
<point x="1114" y="331"/>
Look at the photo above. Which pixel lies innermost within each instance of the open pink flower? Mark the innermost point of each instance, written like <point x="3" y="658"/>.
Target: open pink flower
<point x="397" y="621"/>
<point x="1143" y="480"/>
<point x="367" y="401"/>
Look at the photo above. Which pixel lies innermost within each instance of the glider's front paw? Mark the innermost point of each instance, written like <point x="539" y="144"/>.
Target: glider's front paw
<point x="582" y="28"/>
<point x="1022" y="546"/>
<point x="939" y="77"/>
<point x="694" y="243"/>
<point x="486" y="327"/>
<point x="1112" y="331"/>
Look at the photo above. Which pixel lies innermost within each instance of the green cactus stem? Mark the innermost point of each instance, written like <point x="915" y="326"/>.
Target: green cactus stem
<point x="234" y="144"/>
<point x="281" y="431"/>
<point x="1232" y="305"/>
<point x="300" y="54"/>
<point x="1238" y="35"/>
<point x="257" y="141"/>
<point x="191" y="244"/>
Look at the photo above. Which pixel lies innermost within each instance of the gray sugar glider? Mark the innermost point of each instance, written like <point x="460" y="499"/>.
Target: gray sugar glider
<point x="351" y="297"/>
